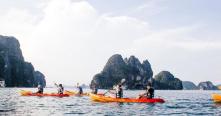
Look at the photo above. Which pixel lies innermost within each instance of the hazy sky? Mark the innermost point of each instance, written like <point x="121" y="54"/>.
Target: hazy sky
<point x="71" y="40"/>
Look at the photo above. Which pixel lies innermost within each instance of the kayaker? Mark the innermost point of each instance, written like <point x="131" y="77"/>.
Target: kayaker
<point x="149" y="92"/>
<point x="80" y="90"/>
<point x="60" y="88"/>
<point x="94" y="89"/>
<point x="40" y="89"/>
<point x="119" y="91"/>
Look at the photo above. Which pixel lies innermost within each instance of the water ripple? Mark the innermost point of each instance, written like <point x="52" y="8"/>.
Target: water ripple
<point x="177" y="103"/>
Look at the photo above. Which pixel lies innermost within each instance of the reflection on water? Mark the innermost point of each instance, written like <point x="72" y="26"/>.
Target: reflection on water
<point x="177" y="103"/>
<point x="217" y="105"/>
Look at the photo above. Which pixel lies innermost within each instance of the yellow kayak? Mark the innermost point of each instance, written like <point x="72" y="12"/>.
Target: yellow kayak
<point x="102" y="98"/>
<point x="30" y="93"/>
<point x="74" y="93"/>
<point x="216" y="98"/>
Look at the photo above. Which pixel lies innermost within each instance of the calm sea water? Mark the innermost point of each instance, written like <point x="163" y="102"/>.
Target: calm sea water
<point x="177" y="103"/>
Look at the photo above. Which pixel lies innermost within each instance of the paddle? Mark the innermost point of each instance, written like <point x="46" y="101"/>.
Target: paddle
<point x="56" y="84"/>
<point x="25" y="91"/>
<point x="121" y="82"/>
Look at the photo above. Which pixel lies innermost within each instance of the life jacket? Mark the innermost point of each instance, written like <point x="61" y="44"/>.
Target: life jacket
<point x="80" y="90"/>
<point x="40" y="90"/>
<point x="94" y="91"/>
<point x="60" y="90"/>
<point x="119" y="93"/>
<point x="150" y="93"/>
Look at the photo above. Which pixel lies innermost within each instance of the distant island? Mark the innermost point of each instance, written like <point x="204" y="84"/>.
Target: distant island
<point x="14" y="71"/>
<point x="188" y="85"/>
<point x="207" y="85"/>
<point x="138" y="74"/>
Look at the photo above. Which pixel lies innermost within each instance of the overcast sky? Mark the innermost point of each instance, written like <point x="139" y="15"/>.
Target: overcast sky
<point x="71" y="40"/>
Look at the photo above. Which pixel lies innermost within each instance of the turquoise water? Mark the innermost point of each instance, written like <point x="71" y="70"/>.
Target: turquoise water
<point x="177" y="103"/>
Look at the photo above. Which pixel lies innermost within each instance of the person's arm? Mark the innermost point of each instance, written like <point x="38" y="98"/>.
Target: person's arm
<point x="56" y="84"/>
<point x="110" y="91"/>
<point x="141" y="95"/>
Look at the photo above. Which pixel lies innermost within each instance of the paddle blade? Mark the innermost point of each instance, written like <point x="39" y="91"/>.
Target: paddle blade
<point x="123" y="80"/>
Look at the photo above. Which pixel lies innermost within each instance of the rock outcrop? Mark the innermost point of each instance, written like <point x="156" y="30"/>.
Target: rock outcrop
<point x="39" y="78"/>
<point x="13" y="69"/>
<point x="207" y="86"/>
<point x="187" y="85"/>
<point x="136" y="74"/>
<point x="166" y="81"/>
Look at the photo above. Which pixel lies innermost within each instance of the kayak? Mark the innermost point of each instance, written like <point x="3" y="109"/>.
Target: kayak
<point x="102" y="98"/>
<point x="74" y="93"/>
<point x="219" y="87"/>
<point x="216" y="97"/>
<point x="29" y="93"/>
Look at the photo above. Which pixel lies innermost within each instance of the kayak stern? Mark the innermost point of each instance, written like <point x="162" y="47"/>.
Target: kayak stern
<point x="216" y="98"/>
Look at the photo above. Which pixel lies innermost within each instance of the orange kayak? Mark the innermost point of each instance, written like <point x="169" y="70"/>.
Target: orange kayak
<point x="102" y="98"/>
<point x="216" y="98"/>
<point x="29" y="93"/>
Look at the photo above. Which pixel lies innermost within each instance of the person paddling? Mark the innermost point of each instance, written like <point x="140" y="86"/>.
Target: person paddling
<point x="94" y="89"/>
<point x="119" y="91"/>
<point x="80" y="90"/>
<point x="149" y="92"/>
<point x="40" y="89"/>
<point x="60" y="88"/>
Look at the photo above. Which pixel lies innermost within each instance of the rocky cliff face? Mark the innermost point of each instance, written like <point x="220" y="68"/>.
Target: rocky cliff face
<point x="187" y="85"/>
<point x="207" y="86"/>
<point x="13" y="69"/>
<point x="166" y="81"/>
<point x="136" y="73"/>
<point x="39" y="78"/>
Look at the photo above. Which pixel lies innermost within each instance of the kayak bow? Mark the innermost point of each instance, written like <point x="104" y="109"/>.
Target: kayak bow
<point x="216" y="98"/>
